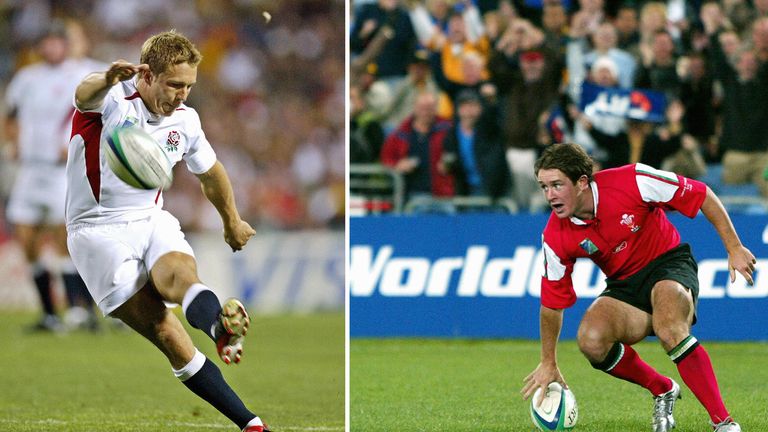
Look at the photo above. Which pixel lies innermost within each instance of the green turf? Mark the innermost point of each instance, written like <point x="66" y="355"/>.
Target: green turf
<point x="449" y="385"/>
<point x="292" y="375"/>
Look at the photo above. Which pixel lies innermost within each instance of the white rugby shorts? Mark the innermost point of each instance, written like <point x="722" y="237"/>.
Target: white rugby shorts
<point x="38" y="195"/>
<point x="115" y="259"/>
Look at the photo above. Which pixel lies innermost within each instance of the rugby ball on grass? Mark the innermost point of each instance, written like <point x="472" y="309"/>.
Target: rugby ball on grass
<point x="557" y="412"/>
<point x="137" y="159"/>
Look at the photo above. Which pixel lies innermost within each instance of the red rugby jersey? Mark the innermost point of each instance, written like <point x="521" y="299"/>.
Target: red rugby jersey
<point x="628" y="231"/>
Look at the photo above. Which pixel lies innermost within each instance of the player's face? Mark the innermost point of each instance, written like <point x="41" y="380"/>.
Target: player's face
<point x="53" y="49"/>
<point x="171" y="88"/>
<point x="565" y="197"/>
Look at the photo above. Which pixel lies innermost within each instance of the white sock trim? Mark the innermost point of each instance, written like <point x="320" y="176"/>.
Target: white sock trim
<point x="191" y="368"/>
<point x="255" y="422"/>
<point x="618" y="359"/>
<point x="191" y="293"/>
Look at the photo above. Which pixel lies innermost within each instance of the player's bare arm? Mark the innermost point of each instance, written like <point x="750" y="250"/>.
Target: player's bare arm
<point x="93" y="89"/>
<point x="740" y="259"/>
<point x="551" y="321"/>
<point x="218" y="189"/>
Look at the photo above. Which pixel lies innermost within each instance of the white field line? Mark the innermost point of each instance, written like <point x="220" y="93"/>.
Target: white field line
<point x="56" y="422"/>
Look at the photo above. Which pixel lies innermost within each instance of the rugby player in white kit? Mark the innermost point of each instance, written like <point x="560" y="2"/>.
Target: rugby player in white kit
<point x="132" y="254"/>
<point x="37" y="121"/>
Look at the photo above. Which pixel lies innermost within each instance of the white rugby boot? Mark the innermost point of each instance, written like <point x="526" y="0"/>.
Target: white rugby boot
<point x="727" y="425"/>
<point x="663" y="405"/>
<point x="231" y="329"/>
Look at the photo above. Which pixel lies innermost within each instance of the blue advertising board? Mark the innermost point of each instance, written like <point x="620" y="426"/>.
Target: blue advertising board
<point x="479" y="276"/>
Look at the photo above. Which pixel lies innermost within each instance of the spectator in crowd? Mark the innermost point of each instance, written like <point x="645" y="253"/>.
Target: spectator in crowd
<point x="627" y="30"/>
<point x="605" y="135"/>
<point x="554" y="22"/>
<point x="660" y="72"/>
<point x="761" y="8"/>
<point x="670" y="148"/>
<point x="473" y="66"/>
<point x="528" y="84"/>
<point x="593" y="13"/>
<point x="365" y="133"/>
<point x="392" y="62"/>
<point x="457" y="44"/>
<point x="604" y="42"/>
<point x="419" y="79"/>
<point x="474" y="149"/>
<point x="730" y="43"/>
<point x="497" y="21"/>
<point x="760" y="39"/>
<point x="653" y="19"/>
<point x="415" y="150"/>
<point x="697" y="93"/>
<point x="745" y="115"/>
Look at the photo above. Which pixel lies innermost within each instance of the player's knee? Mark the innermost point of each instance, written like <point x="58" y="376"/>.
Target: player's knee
<point x="173" y="276"/>
<point x="593" y="343"/>
<point x="671" y="335"/>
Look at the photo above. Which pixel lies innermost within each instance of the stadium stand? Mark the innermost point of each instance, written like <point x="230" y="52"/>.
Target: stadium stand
<point x="711" y="56"/>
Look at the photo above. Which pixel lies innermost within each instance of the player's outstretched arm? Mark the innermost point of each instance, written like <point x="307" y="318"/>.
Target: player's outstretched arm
<point x="740" y="259"/>
<point x="93" y="88"/>
<point x="218" y="189"/>
<point x="551" y="321"/>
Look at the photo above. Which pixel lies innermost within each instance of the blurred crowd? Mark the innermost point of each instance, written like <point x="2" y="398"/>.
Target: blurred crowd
<point x="461" y="96"/>
<point x="270" y="94"/>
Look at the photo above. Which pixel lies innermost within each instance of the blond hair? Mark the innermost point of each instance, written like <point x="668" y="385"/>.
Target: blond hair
<point x="167" y="49"/>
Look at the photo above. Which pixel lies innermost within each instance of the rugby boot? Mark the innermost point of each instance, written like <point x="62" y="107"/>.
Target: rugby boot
<point x="230" y="331"/>
<point x="259" y="428"/>
<point x="727" y="425"/>
<point x="48" y="323"/>
<point x="663" y="405"/>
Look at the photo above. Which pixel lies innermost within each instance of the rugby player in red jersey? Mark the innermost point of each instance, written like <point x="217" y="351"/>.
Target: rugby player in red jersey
<point x="617" y="219"/>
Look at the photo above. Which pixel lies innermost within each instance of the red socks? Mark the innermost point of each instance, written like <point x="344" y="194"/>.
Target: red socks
<point x="623" y="362"/>
<point x="693" y="364"/>
<point x="695" y="369"/>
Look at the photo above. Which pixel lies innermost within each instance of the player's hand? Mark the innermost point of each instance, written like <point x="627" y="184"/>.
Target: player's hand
<point x="238" y="235"/>
<point x="540" y="378"/>
<point x="122" y="70"/>
<point x="743" y="261"/>
<point x="407" y="165"/>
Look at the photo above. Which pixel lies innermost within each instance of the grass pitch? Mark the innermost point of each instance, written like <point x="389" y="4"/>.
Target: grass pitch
<point x="442" y="385"/>
<point x="292" y="375"/>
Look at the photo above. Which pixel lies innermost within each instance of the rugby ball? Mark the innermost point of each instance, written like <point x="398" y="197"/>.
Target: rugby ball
<point x="557" y="412"/>
<point x="137" y="159"/>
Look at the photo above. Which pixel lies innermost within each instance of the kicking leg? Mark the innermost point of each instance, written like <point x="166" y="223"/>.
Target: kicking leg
<point x="672" y="317"/>
<point x="146" y="313"/>
<point x="175" y="276"/>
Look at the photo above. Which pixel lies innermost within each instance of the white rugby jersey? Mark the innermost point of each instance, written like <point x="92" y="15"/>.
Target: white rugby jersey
<point x="95" y="195"/>
<point x="41" y="94"/>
